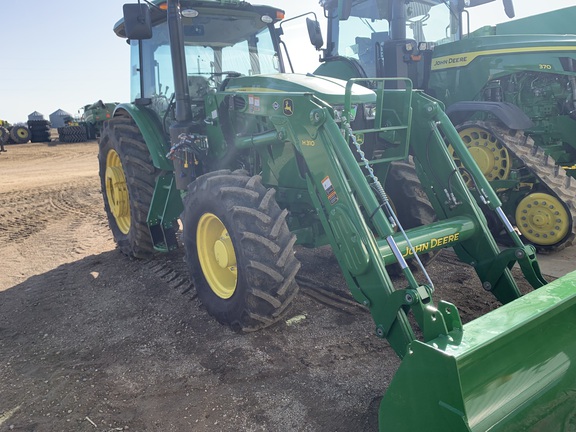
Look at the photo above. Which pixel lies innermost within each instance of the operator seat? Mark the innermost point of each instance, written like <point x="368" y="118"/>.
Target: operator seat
<point x="198" y="87"/>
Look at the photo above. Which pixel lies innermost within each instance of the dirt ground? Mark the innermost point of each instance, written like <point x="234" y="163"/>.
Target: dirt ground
<point x="93" y="341"/>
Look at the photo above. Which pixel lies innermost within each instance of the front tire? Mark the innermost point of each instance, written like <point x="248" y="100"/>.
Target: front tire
<point x="239" y="250"/>
<point x="127" y="178"/>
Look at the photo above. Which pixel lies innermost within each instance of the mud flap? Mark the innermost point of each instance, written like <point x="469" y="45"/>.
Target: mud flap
<point x="513" y="369"/>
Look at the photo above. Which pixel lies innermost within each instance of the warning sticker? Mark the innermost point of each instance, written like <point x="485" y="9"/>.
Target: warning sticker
<point x="330" y="192"/>
<point x="253" y="103"/>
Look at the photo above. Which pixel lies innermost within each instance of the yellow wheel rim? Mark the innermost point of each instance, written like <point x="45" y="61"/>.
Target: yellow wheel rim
<point x="216" y="255"/>
<point x="117" y="191"/>
<point x="542" y="219"/>
<point x="490" y="155"/>
<point x="22" y="133"/>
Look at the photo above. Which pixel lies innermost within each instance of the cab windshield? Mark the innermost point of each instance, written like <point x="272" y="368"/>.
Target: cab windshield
<point x="425" y="22"/>
<point x="215" y="45"/>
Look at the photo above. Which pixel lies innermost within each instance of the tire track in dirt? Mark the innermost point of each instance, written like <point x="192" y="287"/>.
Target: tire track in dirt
<point x="173" y="271"/>
<point x="51" y="225"/>
<point x="24" y="214"/>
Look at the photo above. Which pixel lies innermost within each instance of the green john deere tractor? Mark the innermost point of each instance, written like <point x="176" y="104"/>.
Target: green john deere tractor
<point x="254" y="160"/>
<point x="510" y="90"/>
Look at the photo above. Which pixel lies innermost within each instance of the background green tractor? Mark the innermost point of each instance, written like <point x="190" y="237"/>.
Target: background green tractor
<point x="94" y="115"/>
<point x="254" y="161"/>
<point x="510" y="90"/>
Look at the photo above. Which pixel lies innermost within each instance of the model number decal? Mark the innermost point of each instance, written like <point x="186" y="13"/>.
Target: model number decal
<point x="545" y="66"/>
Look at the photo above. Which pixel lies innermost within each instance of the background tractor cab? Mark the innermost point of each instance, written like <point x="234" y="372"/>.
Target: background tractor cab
<point x="376" y="38"/>
<point x="510" y="89"/>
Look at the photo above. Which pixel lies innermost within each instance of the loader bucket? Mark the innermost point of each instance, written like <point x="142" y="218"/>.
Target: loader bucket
<point x="514" y="369"/>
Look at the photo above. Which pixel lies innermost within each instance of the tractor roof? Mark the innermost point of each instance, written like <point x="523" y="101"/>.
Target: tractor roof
<point x="158" y="12"/>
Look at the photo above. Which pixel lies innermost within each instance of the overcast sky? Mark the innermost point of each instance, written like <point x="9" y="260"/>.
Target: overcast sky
<point x="64" y="54"/>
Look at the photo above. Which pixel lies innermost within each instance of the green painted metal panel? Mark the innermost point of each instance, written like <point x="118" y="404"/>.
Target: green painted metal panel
<point x="461" y="69"/>
<point x="424" y="239"/>
<point x="151" y="129"/>
<point x="560" y="21"/>
<point x="329" y="90"/>
<point x="164" y="211"/>
<point x="355" y="255"/>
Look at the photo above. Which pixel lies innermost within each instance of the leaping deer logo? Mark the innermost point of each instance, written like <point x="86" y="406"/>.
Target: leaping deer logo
<point x="288" y="107"/>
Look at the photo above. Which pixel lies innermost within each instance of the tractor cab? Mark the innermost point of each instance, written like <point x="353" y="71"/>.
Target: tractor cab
<point x="218" y="41"/>
<point x="383" y="38"/>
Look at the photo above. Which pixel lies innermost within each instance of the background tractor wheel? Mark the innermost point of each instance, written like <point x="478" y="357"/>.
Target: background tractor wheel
<point x="127" y="178"/>
<point x="76" y="134"/>
<point x="39" y="130"/>
<point x="4" y="135"/>
<point x="544" y="208"/>
<point x="490" y="154"/>
<point x="411" y="205"/>
<point x="61" y="134"/>
<point x="239" y="250"/>
<point x="543" y="219"/>
<point x="20" y="134"/>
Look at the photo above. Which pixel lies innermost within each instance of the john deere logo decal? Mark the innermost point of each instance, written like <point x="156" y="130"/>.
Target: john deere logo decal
<point x="288" y="107"/>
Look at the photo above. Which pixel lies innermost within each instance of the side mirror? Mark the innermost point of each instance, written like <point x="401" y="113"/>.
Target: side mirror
<point x="344" y="9"/>
<point x="509" y="8"/>
<point x="455" y="13"/>
<point x="137" y="21"/>
<point x="314" y="33"/>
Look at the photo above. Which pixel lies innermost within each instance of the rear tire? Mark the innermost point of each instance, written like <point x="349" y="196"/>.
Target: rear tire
<point x="127" y="178"/>
<point x="239" y="250"/>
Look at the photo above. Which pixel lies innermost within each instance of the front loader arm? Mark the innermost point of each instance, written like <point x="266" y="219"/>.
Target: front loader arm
<point x="344" y="200"/>
<point x="356" y="215"/>
<point x="485" y="375"/>
<point x="432" y="131"/>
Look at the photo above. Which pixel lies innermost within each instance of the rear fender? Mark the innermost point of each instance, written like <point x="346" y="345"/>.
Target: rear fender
<point x="151" y="129"/>
<point x="509" y="114"/>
